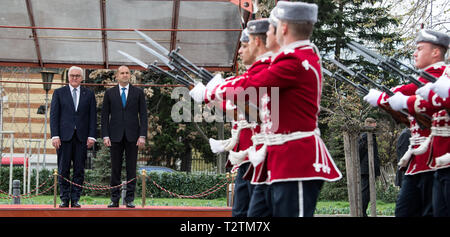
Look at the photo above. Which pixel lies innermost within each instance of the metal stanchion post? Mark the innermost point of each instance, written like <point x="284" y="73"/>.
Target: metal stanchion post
<point x="55" y="183"/>
<point x="144" y="177"/>
<point x="16" y="191"/>
<point x="124" y="192"/>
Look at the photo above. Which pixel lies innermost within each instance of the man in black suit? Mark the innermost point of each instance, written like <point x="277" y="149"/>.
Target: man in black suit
<point x="364" y="163"/>
<point x="73" y="122"/>
<point x="124" y="128"/>
<point x="402" y="147"/>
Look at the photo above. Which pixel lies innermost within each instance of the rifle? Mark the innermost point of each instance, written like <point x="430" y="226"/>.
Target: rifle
<point x="421" y="73"/>
<point x="423" y="120"/>
<point x="166" y="62"/>
<point x="361" y="89"/>
<point x="360" y="75"/>
<point x="177" y="60"/>
<point x="381" y="62"/>
<point x="399" y="117"/>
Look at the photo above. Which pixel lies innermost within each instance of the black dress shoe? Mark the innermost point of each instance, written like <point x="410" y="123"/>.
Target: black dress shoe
<point x="130" y="205"/>
<point x="64" y="204"/>
<point x="75" y="204"/>
<point x="113" y="204"/>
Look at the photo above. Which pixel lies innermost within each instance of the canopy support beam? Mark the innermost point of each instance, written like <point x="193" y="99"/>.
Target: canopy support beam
<point x="33" y="31"/>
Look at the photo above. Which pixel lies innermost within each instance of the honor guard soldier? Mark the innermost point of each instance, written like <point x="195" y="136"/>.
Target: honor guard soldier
<point x="426" y="101"/>
<point x="297" y="160"/>
<point x="415" y="198"/>
<point x="255" y="54"/>
<point x="260" y="202"/>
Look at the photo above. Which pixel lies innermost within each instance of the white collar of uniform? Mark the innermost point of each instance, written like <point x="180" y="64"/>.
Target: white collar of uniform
<point x="265" y="55"/>
<point x="435" y="65"/>
<point x="128" y="86"/>
<point x="294" y="45"/>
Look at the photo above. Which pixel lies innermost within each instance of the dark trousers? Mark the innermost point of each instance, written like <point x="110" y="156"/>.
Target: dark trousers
<point x="415" y="197"/>
<point x="295" y="198"/>
<point x="71" y="152"/>
<point x="117" y="152"/>
<point x="441" y="193"/>
<point x="260" y="202"/>
<point x="365" y="191"/>
<point x="242" y="193"/>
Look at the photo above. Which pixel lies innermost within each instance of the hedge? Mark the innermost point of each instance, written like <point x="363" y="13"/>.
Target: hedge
<point x="177" y="182"/>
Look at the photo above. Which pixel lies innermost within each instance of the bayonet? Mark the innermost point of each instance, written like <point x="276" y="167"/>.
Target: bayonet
<point x="178" y="61"/>
<point x="156" y="68"/>
<point x="153" y="43"/>
<point x="137" y="61"/>
<point x="159" y="56"/>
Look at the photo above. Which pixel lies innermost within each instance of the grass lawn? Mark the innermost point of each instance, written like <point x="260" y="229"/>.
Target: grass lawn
<point x="342" y="207"/>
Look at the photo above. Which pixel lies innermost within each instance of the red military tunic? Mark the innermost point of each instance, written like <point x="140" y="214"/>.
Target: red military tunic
<point x="243" y="129"/>
<point x="418" y="163"/>
<point x="291" y="138"/>
<point x="439" y="140"/>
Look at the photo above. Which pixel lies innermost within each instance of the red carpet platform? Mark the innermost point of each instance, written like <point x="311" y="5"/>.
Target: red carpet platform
<point x="103" y="211"/>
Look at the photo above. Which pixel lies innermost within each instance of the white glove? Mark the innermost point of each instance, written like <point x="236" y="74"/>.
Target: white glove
<point x="441" y="86"/>
<point x="372" y="97"/>
<point x="216" y="80"/>
<point x="424" y="91"/>
<point x="216" y="146"/>
<point x="256" y="157"/>
<point x="198" y="93"/>
<point x="398" y="101"/>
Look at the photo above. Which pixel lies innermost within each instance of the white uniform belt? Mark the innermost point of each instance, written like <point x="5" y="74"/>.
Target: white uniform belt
<point x="416" y="140"/>
<point x="278" y="139"/>
<point x="440" y="131"/>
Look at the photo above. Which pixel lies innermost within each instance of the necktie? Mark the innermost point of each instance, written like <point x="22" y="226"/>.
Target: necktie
<point x="74" y="97"/>
<point x="124" y="98"/>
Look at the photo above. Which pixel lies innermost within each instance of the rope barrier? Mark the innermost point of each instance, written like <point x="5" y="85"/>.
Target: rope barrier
<point x="28" y="195"/>
<point x="202" y="194"/>
<point x="96" y="187"/>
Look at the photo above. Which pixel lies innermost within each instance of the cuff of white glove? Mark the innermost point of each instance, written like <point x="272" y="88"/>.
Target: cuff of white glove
<point x="198" y="93"/>
<point x="216" y="146"/>
<point x="398" y="101"/>
<point x="216" y="80"/>
<point x="441" y="87"/>
<point x="424" y="91"/>
<point x="372" y="97"/>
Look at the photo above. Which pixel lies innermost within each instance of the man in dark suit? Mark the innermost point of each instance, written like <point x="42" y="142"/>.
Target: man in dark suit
<point x="124" y="128"/>
<point x="73" y="122"/>
<point x="402" y="147"/>
<point x="364" y="163"/>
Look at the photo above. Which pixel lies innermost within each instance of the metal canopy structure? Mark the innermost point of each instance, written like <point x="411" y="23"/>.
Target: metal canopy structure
<point x="88" y="33"/>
